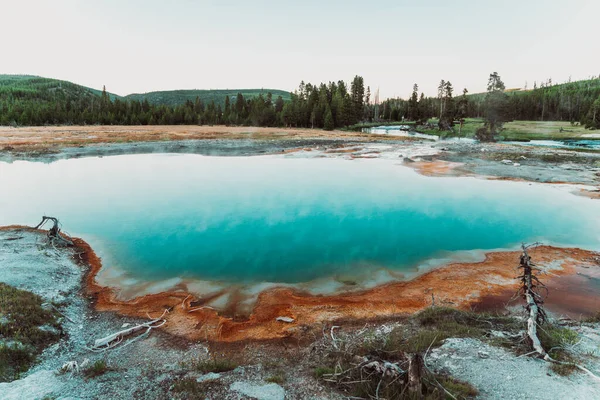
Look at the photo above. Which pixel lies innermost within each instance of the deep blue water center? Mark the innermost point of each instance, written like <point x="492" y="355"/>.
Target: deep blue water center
<point x="278" y="219"/>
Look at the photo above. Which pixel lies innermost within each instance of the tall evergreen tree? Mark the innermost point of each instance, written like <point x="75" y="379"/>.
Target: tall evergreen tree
<point x="328" y="124"/>
<point x="496" y="109"/>
<point x="357" y="89"/>
<point x="413" y="104"/>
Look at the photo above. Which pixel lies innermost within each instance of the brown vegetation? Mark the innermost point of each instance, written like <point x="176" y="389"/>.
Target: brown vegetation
<point x="51" y="139"/>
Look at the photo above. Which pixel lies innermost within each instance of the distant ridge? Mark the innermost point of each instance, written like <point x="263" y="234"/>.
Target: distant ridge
<point x="27" y="100"/>
<point x="176" y="97"/>
<point x="37" y="85"/>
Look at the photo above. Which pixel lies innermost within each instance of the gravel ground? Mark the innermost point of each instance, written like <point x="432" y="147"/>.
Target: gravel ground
<point x="144" y="369"/>
<point x="499" y="374"/>
<point x="541" y="164"/>
<point x="207" y="147"/>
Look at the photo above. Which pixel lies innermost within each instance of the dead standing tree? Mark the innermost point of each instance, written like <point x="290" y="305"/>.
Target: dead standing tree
<point x="54" y="235"/>
<point x="530" y="291"/>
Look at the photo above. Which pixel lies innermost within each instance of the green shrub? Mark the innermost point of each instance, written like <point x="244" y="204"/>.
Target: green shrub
<point x="96" y="369"/>
<point x="215" y="365"/>
<point x="22" y="317"/>
<point x="323" y="370"/>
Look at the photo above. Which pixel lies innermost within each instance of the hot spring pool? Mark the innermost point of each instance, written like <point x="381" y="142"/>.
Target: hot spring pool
<point x="284" y="220"/>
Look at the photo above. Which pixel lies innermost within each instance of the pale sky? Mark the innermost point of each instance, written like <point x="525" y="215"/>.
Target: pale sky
<point x="134" y="46"/>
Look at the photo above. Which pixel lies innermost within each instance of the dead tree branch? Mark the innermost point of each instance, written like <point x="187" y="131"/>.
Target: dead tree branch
<point x="54" y="235"/>
<point x="113" y="340"/>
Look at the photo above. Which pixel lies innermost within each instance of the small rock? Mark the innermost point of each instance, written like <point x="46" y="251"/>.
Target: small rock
<point x="507" y="162"/>
<point x="483" y="354"/>
<point x="272" y="391"/>
<point x="125" y="325"/>
<point x="211" y="376"/>
<point x="498" y="334"/>
<point x="285" y="319"/>
<point x="408" y="160"/>
<point x="49" y="329"/>
<point x="516" y="164"/>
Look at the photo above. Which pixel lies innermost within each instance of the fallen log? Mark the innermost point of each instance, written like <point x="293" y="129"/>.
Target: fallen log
<point x="113" y="340"/>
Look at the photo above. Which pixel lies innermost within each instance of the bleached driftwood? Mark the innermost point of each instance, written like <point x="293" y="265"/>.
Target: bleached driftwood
<point x="201" y="308"/>
<point x="383" y="368"/>
<point x="54" y="234"/>
<point x="415" y="374"/>
<point x="73" y="366"/>
<point x="285" y="319"/>
<point x="113" y="340"/>
<point x="333" y="339"/>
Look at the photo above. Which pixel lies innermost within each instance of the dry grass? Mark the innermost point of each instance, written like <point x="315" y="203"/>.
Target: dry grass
<point x="189" y="388"/>
<point x="433" y="325"/>
<point x="43" y="140"/>
<point x="341" y="366"/>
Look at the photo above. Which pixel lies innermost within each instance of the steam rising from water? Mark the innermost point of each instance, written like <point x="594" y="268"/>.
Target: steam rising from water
<point x="249" y="220"/>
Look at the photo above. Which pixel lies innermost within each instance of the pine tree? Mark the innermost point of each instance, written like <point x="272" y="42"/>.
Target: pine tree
<point x="441" y="91"/>
<point x="446" y="120"/>
<point x="496" y="109"/>
<point x="328" y="124"/>
<point x="357" y="90"/>
<point x="413" y="103"/>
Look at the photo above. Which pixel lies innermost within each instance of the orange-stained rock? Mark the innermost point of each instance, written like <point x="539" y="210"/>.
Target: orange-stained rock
<point x="459" y="284"/>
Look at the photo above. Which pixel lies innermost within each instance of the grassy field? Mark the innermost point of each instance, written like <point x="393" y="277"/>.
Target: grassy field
<point x="522" y="130"/>
<point x="367" y="125"/>
<point x="546" y="130"/>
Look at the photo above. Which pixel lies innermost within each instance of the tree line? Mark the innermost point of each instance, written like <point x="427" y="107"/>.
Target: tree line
<point x="328" y="106"/>
<point x="576" y="102"/>
<point x="44" y="102"/>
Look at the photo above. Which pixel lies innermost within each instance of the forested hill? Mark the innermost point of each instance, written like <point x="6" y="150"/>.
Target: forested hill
<point x="177" y="97"/>
<point x="30" y="86"/>
<point x="570" y="101"/>
<point x="30" y="100"/>
<point x="33" y="100"/>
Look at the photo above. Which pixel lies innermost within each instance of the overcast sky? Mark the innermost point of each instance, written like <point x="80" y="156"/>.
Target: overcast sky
<point x="144" y="45"/>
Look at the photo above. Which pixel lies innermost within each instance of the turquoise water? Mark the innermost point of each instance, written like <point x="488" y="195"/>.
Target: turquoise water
<point x="278" y="219"/>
